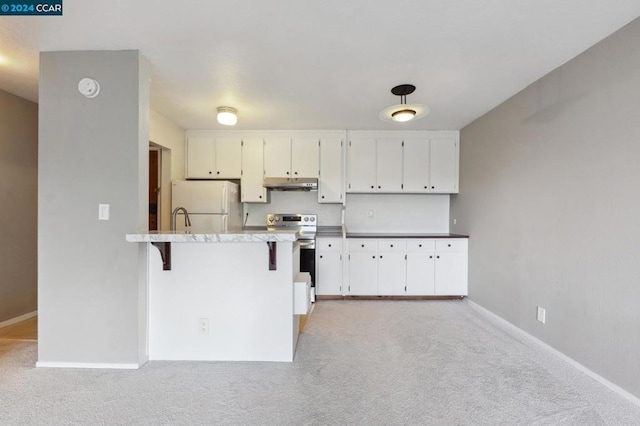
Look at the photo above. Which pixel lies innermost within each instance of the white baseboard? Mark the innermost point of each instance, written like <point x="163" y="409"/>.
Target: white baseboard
<point x="97" y="365"/>
<point x="18" y="319"/>
<point x="501" y="321"/>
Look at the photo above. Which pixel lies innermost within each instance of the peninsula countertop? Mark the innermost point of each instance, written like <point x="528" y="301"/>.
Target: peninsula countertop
<point x="238" y="236"/>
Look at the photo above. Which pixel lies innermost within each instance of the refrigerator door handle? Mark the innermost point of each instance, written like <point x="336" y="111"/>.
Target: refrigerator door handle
<point x="223" y="201"/>
<point x="224" y="223"/>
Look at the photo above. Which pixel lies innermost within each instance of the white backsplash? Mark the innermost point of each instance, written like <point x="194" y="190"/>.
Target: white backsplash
<point x="305" y="202"/>
<point x="402" y="213"/>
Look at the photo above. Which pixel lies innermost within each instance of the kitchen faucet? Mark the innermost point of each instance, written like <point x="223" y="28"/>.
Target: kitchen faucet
<point x="187" y="221"/>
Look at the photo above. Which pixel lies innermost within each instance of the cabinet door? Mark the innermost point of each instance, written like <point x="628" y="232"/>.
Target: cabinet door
<point x="444" y="165"/>
<point x="416" y="165"/>
<point x="277" y="157"/>
<point x="392" y="269"/>
<point x="363" y="274"/>
<point x="329" y="279"/>
<point x="252" y="171"/>
<point x="389" y="165"/>
<point x="305" y="153"/>
<point x="228" y="158"/>
<point x="420" y="274"/>
<point x="330" y="179"/>
<point x="451" y="274"/>
<point x="362" y="165"/>
<point x="200" y="158"/>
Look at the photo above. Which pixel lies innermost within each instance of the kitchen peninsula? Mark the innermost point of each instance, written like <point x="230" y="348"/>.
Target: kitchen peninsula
<point x="222" y="297"/>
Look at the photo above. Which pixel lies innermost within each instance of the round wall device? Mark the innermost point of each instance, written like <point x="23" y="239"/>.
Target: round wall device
<point x="89" y="87"/>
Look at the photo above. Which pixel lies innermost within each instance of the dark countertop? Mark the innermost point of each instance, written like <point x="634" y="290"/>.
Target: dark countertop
<point x="401" y="235"/>
<point x="329" y="231"/>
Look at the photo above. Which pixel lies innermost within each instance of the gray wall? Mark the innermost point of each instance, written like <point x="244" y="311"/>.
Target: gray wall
<point x="19" y="201"/>
<point x="549" y="195"/>
<point x="92" y="290"/>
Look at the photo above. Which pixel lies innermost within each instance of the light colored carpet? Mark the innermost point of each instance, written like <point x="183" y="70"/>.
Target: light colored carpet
<point x="358" y="363"/>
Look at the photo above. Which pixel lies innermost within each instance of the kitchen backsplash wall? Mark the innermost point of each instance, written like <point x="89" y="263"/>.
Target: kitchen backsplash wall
<point x="397" y="213"/>
<point x="294" y="202"/>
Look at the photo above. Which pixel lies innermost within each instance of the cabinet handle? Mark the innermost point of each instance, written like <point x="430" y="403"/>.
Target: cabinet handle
<point x="379" y="187"/>
<point x="419" y="245"/>
<point x="373" y="257"/>
<point x="425" y="187"/>
<point x="371" y="186"/>
<point x="323" y="197"/>
<point x="448" y="245"/>
<point x="437" y="257"/>
<point x="380" y="257"/>
<point x="259" y="196"/>
<point x="320" y="256"/>
<point x="287" y="172"/>
<point x="329" y="245"/>
<point x="209" y="172"/>
<point x="433" y="187"/>
<point x="391" y="245"/>
<point x="430" y="257"/>
<point x="217" y="173"/>
<point x="362" y="245"/>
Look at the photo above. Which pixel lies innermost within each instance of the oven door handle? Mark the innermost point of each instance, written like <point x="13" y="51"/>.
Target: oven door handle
<point x="307" y="244"/>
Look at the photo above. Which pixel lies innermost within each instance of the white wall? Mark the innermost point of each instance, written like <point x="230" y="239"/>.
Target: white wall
<point x="170" y="137"/>
<point x="549" y="195"/>
<point x="406" y="213"/>
<point x="19" y="201"/>
<point x="294" y="202"/>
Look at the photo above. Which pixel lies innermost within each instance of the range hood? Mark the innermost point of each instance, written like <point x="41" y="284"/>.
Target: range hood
<point x="291" y="184"/>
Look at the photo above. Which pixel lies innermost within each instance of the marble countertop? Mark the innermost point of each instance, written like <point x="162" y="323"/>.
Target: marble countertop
<point x="240" y="236"/>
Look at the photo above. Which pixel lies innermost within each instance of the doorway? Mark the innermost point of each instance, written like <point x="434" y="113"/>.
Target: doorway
<point x="155" y="158"/>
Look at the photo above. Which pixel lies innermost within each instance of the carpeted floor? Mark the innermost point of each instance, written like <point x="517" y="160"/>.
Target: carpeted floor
<point x="358" y="363"/>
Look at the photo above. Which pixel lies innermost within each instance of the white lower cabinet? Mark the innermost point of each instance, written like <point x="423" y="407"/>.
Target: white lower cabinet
<point x="412" y="267"/>
<point x="451" y="267"/>
<point x="392" y="267"/>
<point x="329" y="266"/>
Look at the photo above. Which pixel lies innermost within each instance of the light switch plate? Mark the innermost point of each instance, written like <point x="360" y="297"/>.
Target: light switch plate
<point x="103" y="211"/>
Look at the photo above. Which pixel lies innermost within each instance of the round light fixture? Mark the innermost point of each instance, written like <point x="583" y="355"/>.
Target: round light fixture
<point x="403" y="112"/>
<point x="227" y="116"/>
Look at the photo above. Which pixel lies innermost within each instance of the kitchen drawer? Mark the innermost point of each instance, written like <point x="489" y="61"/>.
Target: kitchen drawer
<point x="367" y="244"/>
<point x="392" y="246"/>
<point x="414" y="245"/>
<point x="328" y="244"/>
<point x="457" y="244"/>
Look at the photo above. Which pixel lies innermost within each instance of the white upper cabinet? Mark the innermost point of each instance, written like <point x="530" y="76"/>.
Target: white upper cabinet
<point x="443" y="165"/>
<point x="213" y="158"/>
<point x="421" y="162"/>
<point x="305" y="152"/>
<point x="228" y="158"/>
<point x="251" y="187"/>
<point x="389" y="165"/>
<point x="416" y="165"/>
<point x="291" y="157"/>
<point x="277" y="156"/>
<point x="330" y="179"/>
<point x="362" y="165"/>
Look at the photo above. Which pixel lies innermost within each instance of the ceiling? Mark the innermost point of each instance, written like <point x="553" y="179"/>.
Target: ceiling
<point x="304" y="64"/>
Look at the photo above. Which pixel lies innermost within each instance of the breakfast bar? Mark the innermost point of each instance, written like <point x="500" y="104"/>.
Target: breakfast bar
<point x="225" y="297"/>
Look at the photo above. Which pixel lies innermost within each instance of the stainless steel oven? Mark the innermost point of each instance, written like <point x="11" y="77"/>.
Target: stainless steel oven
<point x="307" y="225"/>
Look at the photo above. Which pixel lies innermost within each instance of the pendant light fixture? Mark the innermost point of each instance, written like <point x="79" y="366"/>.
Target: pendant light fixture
<point x="227" y="116"/>
<point x="403" y="111"/>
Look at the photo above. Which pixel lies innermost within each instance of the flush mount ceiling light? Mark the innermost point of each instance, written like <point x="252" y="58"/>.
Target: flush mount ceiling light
<point x="403" y="111"/>
<point x="227" y="116"/>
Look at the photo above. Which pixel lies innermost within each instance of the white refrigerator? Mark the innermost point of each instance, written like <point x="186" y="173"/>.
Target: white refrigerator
<point x="213" y="206"/>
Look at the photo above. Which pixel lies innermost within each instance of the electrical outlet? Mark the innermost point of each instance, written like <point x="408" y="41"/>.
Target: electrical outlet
<point x="103" y="211"/>
<point x="454" y="221"/>
<point x="203" y="325"/>
<point x="542" y="314"/>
